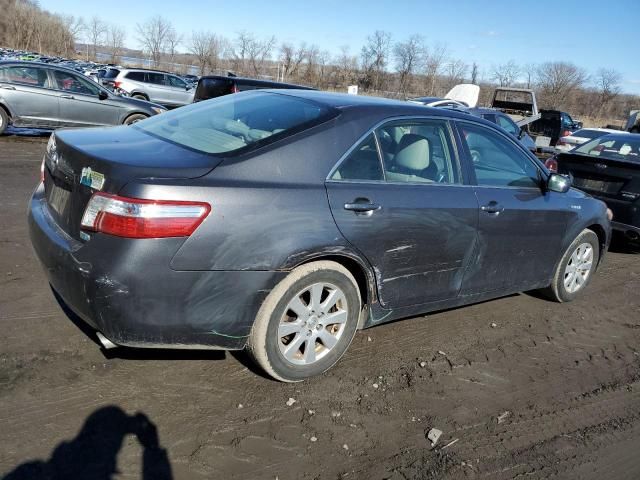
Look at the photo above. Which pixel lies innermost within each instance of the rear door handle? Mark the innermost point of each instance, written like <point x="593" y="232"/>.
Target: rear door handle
<point x="492" y="207"/>
<point x="66" y="96"/>
<point x="362" y="207"/>
<point x="7" y="87"/>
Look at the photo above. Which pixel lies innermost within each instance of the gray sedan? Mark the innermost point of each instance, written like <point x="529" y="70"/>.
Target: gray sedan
<point x="39" y="95"/>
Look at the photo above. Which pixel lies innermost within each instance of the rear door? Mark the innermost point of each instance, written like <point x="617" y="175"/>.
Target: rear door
<point x="520" y="225"/>
<point x="404" y="206"/>
<point x="28" y="93"/>
<point x="155" y="86"/>
<point x="178" y="91"/>
<point x="79" y="102"/>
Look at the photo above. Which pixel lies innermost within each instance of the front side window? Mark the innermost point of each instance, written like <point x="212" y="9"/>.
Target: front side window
<point x="362" y="164"/>
<point x="418" y="151"/>
<point x="236" y="122"/>
<point x="155" y="78"/>
<point x="31" y="76"/>
<point x="176" y="82"/>
<point x="497" y="162"/>
<point x="74" y="84"/>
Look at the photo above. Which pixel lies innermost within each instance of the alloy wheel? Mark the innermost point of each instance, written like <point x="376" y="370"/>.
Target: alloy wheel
<point x="578" y="268"/>
<point x="312" y="324"/>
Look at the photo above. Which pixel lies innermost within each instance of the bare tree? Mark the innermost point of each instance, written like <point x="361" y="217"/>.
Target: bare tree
<point x="75" y="26"/>
<point x="455" y="72"/>
<point x="607" y="82"/>
<point x="115" y="42"/>
<point x="96" y="31"/>
<point x="259" y="51"/>
<point x="434" y="61"/>
<point x="206" y="47"/>
<point x="172" y="41"/>
<point x="529" y="71"/>
<point x="346" y="66"/>
<point x="153" y="35"/>
<point x="291" y="58"/>
<point x="505" y="74"/>
<point x="557" y="80"/>
<point x="475" y="72"/>
<point x="374" y="57"/>
<point x="409" y="56"/>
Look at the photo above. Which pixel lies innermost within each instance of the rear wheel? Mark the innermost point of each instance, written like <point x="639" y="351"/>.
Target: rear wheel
<point x="576" y="268"/>
<point x="307" y="322"/>
<point x="140" y="96"/>
<point x="136" y="117"/>
<point x="4" y="120"/>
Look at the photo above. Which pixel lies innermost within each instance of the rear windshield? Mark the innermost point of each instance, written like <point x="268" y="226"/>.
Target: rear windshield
<point x="112" y="73"/>
<point x="235" y="123"/>
<point x="614" y="148"/>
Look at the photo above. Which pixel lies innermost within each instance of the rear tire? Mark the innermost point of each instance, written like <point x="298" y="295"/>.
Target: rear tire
<point x="575" y="269"/>
<point x="317" y="305"/>
<point x="4" y="120"/>
<point x="136" y="117"/>
<point x="140" y="96"/>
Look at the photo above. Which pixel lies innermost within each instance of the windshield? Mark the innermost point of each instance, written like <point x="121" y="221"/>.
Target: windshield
<point x="236" y="122"/>
<point x="613" y="148"/>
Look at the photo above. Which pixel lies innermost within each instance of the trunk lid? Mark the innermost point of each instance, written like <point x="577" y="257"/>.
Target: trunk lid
<point x="617" y="182"/>
<point x="116" y="156"/>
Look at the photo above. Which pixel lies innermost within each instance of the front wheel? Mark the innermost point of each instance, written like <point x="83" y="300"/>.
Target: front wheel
<point x="136" y="117"/>
<point x="307" y="322"/>
<point x="576" y="268"/>
<point x="4" y="120"/>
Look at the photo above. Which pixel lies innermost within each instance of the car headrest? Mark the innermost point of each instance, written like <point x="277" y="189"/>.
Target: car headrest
<point x="414" y="152"/>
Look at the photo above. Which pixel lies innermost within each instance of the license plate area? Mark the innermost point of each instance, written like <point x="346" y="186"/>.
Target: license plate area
<point x="58" y="194"/>
<point x="598" y="185"/>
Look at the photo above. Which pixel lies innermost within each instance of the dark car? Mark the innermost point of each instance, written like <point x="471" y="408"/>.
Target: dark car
<point x="608" y="168"/>
<point x="554" y="124"/>
<point x="213" y="86"/>
<point x="47" y="96"/>
<point x="283" y="221"/>
<point x="505" y="121"/>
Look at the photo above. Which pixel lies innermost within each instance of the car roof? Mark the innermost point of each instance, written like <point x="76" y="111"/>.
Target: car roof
<point x="37" y="64"/>
<point x="146" y="70"/>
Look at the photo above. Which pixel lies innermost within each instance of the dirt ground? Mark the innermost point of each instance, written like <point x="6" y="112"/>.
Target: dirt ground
<point x="525" y="388"/>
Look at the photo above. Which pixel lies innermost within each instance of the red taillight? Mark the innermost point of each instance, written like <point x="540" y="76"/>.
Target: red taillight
<point x="234" y="88"/>
<point x="552" y="164"/>
<point x="117" y="84"/>
<point x="141" y="218"/>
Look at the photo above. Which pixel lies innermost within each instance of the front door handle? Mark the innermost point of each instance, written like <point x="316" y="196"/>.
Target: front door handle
<point x="493" y="208"/>
<point x="362" y="206"/>
<point x="66" y="96"/>
<point x="7" y="87"/>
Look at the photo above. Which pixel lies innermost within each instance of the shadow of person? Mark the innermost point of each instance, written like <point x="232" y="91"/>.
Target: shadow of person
<point x="92" y="454"/>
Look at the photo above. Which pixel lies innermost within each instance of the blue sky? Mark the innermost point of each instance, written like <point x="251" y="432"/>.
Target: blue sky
<point x="590" y="33"/>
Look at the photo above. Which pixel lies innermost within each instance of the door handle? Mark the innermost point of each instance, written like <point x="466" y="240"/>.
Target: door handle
<point x="362" y="206"/>
<point x="492" y="207"/>
<point x="7" y="87"/>
<point x="66" y="96"/>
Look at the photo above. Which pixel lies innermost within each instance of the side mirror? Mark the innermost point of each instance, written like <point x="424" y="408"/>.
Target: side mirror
<point x="558" y="183"/>
<point x="103" y="95"/>
<point x="521" y="133"/>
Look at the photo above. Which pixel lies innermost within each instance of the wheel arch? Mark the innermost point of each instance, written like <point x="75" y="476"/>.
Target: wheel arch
<point x="602" y="238"/>
<point x="7" y="111"/>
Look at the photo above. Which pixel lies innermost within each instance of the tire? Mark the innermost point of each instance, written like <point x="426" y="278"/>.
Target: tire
<point x="136" y="117"/>
<point x="566" y="287"/>
<point x="140" y="96"/>
<point x="4" y="120"/>
<point x="285" y="356"/>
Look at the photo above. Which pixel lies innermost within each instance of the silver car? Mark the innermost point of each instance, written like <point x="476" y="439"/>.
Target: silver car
<point x="39" y="95"/>
<point x="159" y="87"/>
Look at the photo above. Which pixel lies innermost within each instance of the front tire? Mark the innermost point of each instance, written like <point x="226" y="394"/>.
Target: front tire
<point x="136" y="117"/>
<point x="307" y="322"/>
<point x="4" y="120"/>
<point x="140" y="96"/>
<point x="575" y="269"/>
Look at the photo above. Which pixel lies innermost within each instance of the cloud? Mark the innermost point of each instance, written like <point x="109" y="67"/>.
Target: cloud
<point x="490" y="33"/>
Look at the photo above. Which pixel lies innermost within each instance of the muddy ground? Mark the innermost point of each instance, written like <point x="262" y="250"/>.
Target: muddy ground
<point x="563" y="379"/>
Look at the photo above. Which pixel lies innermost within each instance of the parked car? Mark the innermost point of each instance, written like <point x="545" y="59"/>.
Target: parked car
<point x="213" y="86"/>
<point x="160" y="87"/>
<point x="46" y="96"/>
<point x="633" y="122"/>
<point x="108" y="79"/>
<point x="569" y="142"/>
<point x="608" y="168"/>
<point x="283" y="221"/>
<point x="507" y="124"/>
<point x="554" y="124"/>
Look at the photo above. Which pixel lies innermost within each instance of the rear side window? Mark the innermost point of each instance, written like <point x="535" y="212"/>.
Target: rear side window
<point x="35" y="77"/>
<point x="155" y="78"/>
<point x="135" y="76"/>
<point x="235" y="123"/>
<point x="362" y="164"/>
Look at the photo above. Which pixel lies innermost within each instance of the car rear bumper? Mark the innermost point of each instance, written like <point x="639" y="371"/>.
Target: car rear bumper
<point x="631" y="232"/>
<point x="125" y="288"/>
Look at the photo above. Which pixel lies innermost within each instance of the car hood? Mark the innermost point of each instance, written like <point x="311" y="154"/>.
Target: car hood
<point x="135" y="102"/>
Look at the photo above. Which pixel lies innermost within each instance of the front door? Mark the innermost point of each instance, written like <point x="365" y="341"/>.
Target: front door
<point x="79" y="101"/>
<point x="403" y="206"/>
<point x="520" y="224"/>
